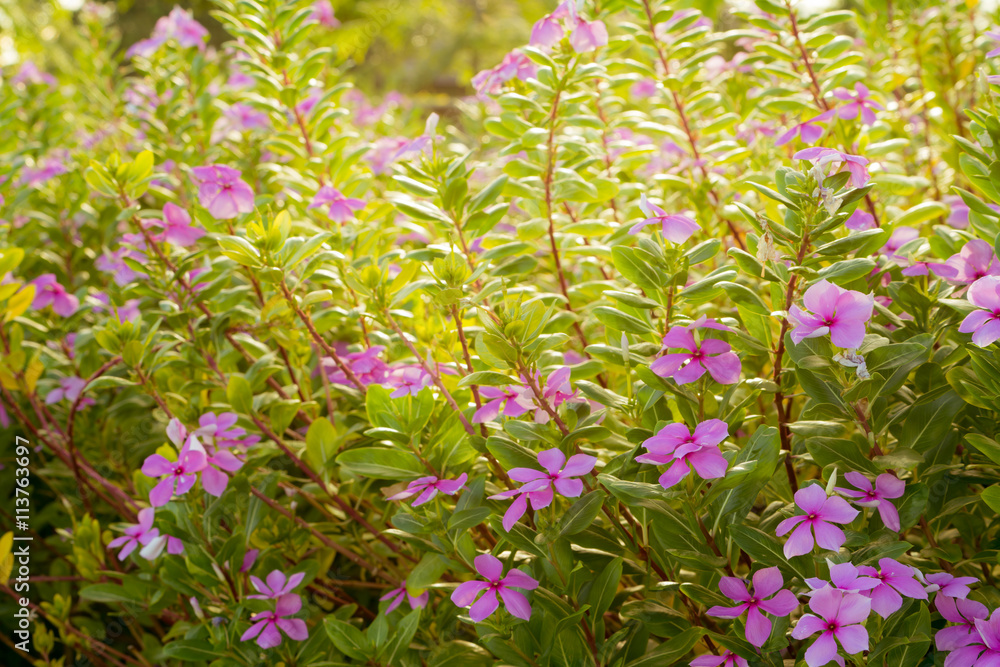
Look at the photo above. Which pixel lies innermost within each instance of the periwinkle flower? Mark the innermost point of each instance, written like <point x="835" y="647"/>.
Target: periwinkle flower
<point x="828" y="157"/>
<point x="537" y="486"/>
<point x="177" y="228"/>
<point x="177" y="476"/>
<point x="832" y="310"/>
<point x="547" y="32"/>
<point x="137" y="534"/>
<point x="726" y="659"/>
<point x="895" y="581"/>
<point x="984" y="649"/>
<point x="677" y="228"/>
<point x="947" y="584"/>
<point x="683" y="449"/>
<point x="807" y="131"/>
<point x="767" y="595"/>
<point x="48" y="292"/>
<point x="266" y="623"/>
<point x="820" y="513"/>
<point x="858" y="102"/>
<point x="222" y="192"/>
<point x="976" y="260"/>
<point x="69" y="389"/>
<point x="984" y="323"/>
<point x="860" y="221"/>
<point x="844" y="577"/>
<point x="886" y="487"/>
<point x="700" y="355"/>
<point x="498" y="398"/>
<point x="396" y="596"/>
<point x="837" y="617"/>
<point x="407" y="381"/>
<point x="963" y="612"/>
<point x="322" y="13"/>
<point x="586" y="36"/>
<point x="276" y="585"/>
<point x="425" y="488"/>
<point x="490" y="568"/>
<point x="339" y="208"/>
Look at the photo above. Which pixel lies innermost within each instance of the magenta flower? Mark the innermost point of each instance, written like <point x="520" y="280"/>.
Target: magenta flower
<point x="676" y="228"/>
<point x="588" y="35"/>
<point x="858" y="102"/>
<point x="860" y="221"/>
<point x="984" y="649"/>
<point x="340" y="208"/>
<point x="45" y="170"/>
<point x="177" y="227"/>
<point x="844" y="577"/>
<point x="366" y="365"/>
<point x="684" y="449"/>
<point x="155" y="547"/>
<point x="266" y="623"/>
<point x="976" y="260"/>
<point x="948" y="585"/>
<point x="900" y="237"/>
<point x="886" y="487"/>
<point x="546" y="32"/>
<point x="497" y="398"/>
<point x="222" y="430"/>
<point x="29" y="73"/>
<point x="556" y="390"/>
<point x="727" y="659"/>
<point x="984" y="324"/>
<point x="407" y="380"/>
<point x="276" y="585"/>
<point x="515" y="65"/>
<point x="835" y="311"/>
<point x="701" y="354"/>
<point x="895" y="581"/>
<point x="537" y="486"/>
<point x="222" y="192"/>
<point x="249" y="558"/>
<point x="490" y="567"/>
<point x="114" y="263"/>
<point x="965" y="613"/>
<point x="220" y="436"/>
<point x="179" y="25"/>
<point x="807" y="131"/>
<point x="322" y="13"/>
<point x="48" y="292"/>
<point x="69" y="389"/>
<point x="995" y="36"/>
<point x="766" y="583"/>
<point x="177" y="476"/>
<point x="821" y="513"/>
<point x="428" y="487"/>
<point x="397" y="595"/>
<point x="838" y="617"/>
<point x="136" y="534"/>
<point x="823" y="157"/>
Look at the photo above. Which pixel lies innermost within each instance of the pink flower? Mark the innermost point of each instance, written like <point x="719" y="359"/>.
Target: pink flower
<point x="177" y="227"/>
<point x="497" y="398"/>
<point x="249" y="558"/>
<point x="821" y="513"/>
<point x="407" y="380"/>
<point x="965" y="613"/>
<point x="860" y="221"/>
<point x="515" y="65"/>
<point x="588" y="35"/>
<point x="821" y="157"/>
<point x="48" y="292"/>
<point x="276" y="586"/>
<point x="546" y="32"/>
<point x="556" y="391"/>
<point x="676" y="228"/>
<point x="835" y="311"/>
<point x="684" y="449"/>
<point x="397" y="595"/>
<point x="701" y="354"/>
<point x="766" y="582"/>
<point x="984" y="324"/>
<point x="239" y="118"/>
<point x="807" y="131"/>
<point x="985" y="651"/>
<point x="221" y="191"/>
<point x="490" y="567"/>
<point x="428" y="487"/>
<point x="46" y="170"/>
<point x="727" y="659"/>
<point x="178" y="476"/>
<point x="886" y="486"/>
<point x="858" y="102"/>
<point x="179" y="25"/>
<point x="895" y="580"/>
<point x="136" y="534"/>
<point x="537" y="486"/>
<point x="995" y="36"/>
<point x="323" y="14"/>
<point x="340" y="208"/>
<point x="114" y="263"/>
<point x="976" y="260"/>
<point x="644" y="87"/>
<point x="69" y="389"/>
<point x="29" y="73"/>
<point x="266" y="623"/>
<point x="838" y="617"/>
<point x="844" y="577"/>
<point x="155" y="547"/>
<point x="948" y="584"/>
<point x="222" y="430"/>
<point x="366" y="365"/>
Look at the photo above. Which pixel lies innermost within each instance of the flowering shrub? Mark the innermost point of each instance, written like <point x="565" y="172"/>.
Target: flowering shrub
<point x="675" y="344"/>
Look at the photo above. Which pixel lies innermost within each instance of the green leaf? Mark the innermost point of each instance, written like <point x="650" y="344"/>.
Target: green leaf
<point x="670" y="652"/>
<point x="348" y="639"/>
<point x="191" y="650"/>
<point x="602" y="592"/>
<point x="616" y="319"/>
<point x="321" y="443"/>
<point x="486" y="378"/>
<point x="239" y="394"/>
<point x="381" y="463"/>
<point x="134" y="592"/>
<point x="428" y="571"/>
<point x="581" y="513"/>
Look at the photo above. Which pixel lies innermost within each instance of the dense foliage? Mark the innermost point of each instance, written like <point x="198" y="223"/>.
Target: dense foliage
<point x="671" y="345"/>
